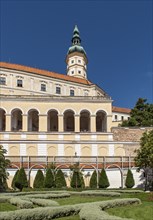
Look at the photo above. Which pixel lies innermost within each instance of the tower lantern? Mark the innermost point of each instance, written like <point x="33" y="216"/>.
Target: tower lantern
<point x="76" y="58"/>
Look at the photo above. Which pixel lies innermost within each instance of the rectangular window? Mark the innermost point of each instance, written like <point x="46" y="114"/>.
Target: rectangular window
<point x="115" y="117"/>
<point x="58" y="90"/>
<point x="79" y="61"/>
<point x="43" y="87"/>
<point x="71" y="92"/>
<point x="19" y="83"/>
<point x="2" y="80"/>
<point x="122" y="118"/>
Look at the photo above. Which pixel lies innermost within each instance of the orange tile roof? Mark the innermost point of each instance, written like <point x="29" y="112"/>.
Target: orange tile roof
<point x="44" y="73"/>
<point x="121" y="110"/>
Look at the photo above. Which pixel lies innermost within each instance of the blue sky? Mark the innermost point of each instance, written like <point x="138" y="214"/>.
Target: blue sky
<point x="117" y="37"/>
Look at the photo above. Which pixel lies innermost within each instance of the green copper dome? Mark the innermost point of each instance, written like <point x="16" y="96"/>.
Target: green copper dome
<point x="76" y="42"/>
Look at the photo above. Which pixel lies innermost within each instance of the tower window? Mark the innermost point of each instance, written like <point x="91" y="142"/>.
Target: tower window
<point x="79" y="61"/>
<point x="79" y="71"/>
<point x="2" y="80"/>
<point x="71" y="92"/>
<point x="58" y="90"/>
<point x="72" y="72"/>
<point x="72" y="61"/>
<point x="43" y="87"/>
<point x="19" y="83"/>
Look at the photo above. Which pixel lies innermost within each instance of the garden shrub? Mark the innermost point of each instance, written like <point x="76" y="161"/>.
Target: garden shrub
<point x="49" y="179"/>
<point x="76" y="180"/>
<point x="93" y="180"/>
<point x="129" y="182"/>
<point x="39" y="180"/>
<point x="49" y="196"/>
<point x="60" y="179"/>
<point x="44" y="202"/>
<point x="99" y="193"/>
<point x="20" y="203"/>
<point x="14" y="180"/>
<point x="21" y="179"/>
<point x="103" y="179"/>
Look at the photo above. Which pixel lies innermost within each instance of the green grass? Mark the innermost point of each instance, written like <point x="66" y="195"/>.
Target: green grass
<point x="7" y="207"/>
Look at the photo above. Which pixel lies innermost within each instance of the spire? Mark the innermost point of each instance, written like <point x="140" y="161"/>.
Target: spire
<point x="76" y="40"/>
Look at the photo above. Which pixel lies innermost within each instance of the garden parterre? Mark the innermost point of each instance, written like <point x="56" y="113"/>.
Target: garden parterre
<point x="51" y="209"/>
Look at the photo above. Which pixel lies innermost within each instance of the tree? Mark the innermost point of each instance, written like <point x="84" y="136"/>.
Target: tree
<point x="14" y="179"/>
<point x="60" y="179"/>
<point x="129" y="182"/>
<point x="76" y="180"/>
<point x="49" y="179"/>
<point x="103" y="179"/>
<point x="4" y="163"/>
<point x="21" y="180"/>
<point x="39" y="180"/>
<point x="144" y="158"/>
<point x="140" y="115"/>
<point x="93" y="180"/>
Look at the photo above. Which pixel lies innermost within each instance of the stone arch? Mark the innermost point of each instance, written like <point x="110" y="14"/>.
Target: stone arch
<point x="101" y="121"/>
<point x="29" y="173"/>
<point x="32" y="151"/>
<point x="84" y="121"/>
<point x="52" y="151"/>
<point x="33" y="120"/>
<point x="86" y="151"/>
<point x="69" y="122"/>
<point x="2" y="119"/>
<point x="119" y="151"/>
<point x="52" y="120"/>
<point x="121" y="173"/>
<point x="69" y="151"/>
<point x="16" y="119"/>
<point x="102" y="151"/>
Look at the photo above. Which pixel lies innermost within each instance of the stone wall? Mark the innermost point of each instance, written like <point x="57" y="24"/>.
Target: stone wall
<point x="128" y="134"/>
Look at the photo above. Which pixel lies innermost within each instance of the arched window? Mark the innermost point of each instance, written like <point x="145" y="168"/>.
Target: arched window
<point x="69" y="120"/>
<point x="101" y="121"/>
<point x="52" y="121"/>
<point x="84" y="121"/>
<point x="2" y="120"/>
<point x="33" y="120"/>
<point x="16" y="120"/>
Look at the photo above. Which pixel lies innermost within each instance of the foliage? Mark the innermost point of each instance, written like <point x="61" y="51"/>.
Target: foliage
<point x="76" y="180"/>
<point x="21" y="180"/>
<point x="21" y="203"/>
<point x="93" y="180"/>
<point x="3" y="166"/>
<point x="14" y="179"/>
<point x="103" y="179"/>
<point x="49" y="179"/>
<point x="129" y="182"/>
<point x="140" y="115"/>
<point x="144" y="158"/>
<point x="60" y="179"/>
<point x="39" y="180"/>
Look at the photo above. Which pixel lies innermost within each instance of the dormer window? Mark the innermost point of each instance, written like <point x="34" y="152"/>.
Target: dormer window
<point x="43" y="87"/>
<point x="2" y="81"/>
<point x="58" y="90"/>
<point x="19" y="83"/>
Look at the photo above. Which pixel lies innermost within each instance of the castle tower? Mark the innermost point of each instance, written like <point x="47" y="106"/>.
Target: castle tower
<point x="76" y="58"/>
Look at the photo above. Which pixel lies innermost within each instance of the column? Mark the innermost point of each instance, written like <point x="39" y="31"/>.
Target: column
<point x="60" y="123"/>
<point x="93" y="123"/>
<point x="77" y="123"/>
<point x="109" y="122"/>
<point x="42" y="122"/>
<point x="24" y="122"/>
<point x="8" y="122"/>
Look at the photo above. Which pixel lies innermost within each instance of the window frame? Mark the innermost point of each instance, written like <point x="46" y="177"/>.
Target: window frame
<point x="19" y="83"/>
<point x="2" y="80"/>
<point x="58" y="90"/>
<point x="72" y="92"/>
<point x="43" y="87"/>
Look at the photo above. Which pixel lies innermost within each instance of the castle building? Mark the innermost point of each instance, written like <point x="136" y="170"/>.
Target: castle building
<point x="44" y="114"/>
